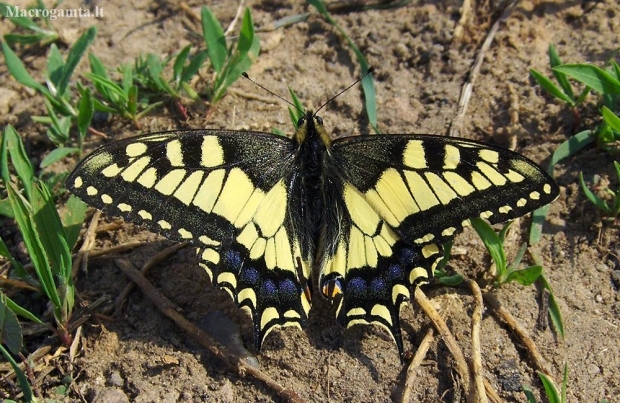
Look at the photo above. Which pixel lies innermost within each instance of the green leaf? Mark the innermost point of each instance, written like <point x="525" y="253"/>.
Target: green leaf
<point x="551" y="88"/>
<point x="526" y="276"/>
<point x="529" y="394"/>
<point x="86" y="111"/>
<point x="597" y="201"/>
<point x="194" y="65"/>
<point x="368" y="83"/>
<point x="451" y="281"/>
<point x="492" y="243"/>
<point x="18" y="71"/>
<point x="21" y="377"/>
<point x="554" y="309"/>
<point x="215" y="41"/>
<point x="58" y="154"/>
<point x="72" y="219"/>
<point x="592" y="76"/>
<point x="550" y="389"/>
<point x="96" y="66"/>
<point x="179" y="62"/>
<point x="568" y="148"/>
<point x="10" y="331"/>
<point x="73" y="58"/>
<point x="55" y="64"/>
<point x="25" y="222"/>
<point x="611" y="118"/>
<point x="246" y="34"/>
<point x="20" y="311"/>
<point x="12" y="143"/>
<point x="19" y="269"/>
<point x="554" y="60"/>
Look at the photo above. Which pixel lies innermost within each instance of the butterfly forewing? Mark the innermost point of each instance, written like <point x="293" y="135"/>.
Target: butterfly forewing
<point x="426" y="187"/>
<point x="228" y="193"/>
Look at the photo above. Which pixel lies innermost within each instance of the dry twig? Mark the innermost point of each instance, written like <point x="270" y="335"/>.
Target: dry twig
<point x="169" y="309"/>
<point x="503" y="314"/>
<point x="164" y="254"/>
<point x="442" y="328"/>
<point x="415" y="363"/>
<point x="476" y="362"/>
<point x="456" y="127"/>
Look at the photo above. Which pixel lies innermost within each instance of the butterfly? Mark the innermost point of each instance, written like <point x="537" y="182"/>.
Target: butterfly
<point x="367" y="214"/>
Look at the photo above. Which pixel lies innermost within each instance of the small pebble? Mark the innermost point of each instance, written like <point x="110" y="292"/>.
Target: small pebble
<point x="115" y="379"/>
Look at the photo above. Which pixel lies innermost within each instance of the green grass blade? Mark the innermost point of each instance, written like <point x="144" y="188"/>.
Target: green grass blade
<point x="246" y="34"/>
<point x="194" y="65"/>
<point x="24" y="22"/>
<point x="10" y="331"/>
<point x="529" y="394"/>
<point x="179" y="62"/>
<point x="566" y="149"/>
<point x="110" y="88"/>
<point x="73" y="219"/>
<point x="96" y="66"/>
<point x="551" y="88"/>
<point x="550" y="390"/>
<point x="592" y="76"/>
<point x="18" y="70"/>
<point x="368" y="82"/>
<point x="12" y="143"/>
<point x="611" y="118"/>
<point x="554" y="309"/>
<point x="55" y="64"/>
<point x="73" y="58"/>
<point x="215" y="41"/>
<point x="21" y="377"/>
<point x="554" y="60"/>
<point x="20" y="311"/>
<point x="19" y="269"/>
<point x="25" y="222"/>
<point x="50" y="229"/>
<point x="526" y="276"/>
<point x="86" y="111"/>
<point x="492" y="243"/>
<point x="597" y="201"/>
<point x="58" y="154"/>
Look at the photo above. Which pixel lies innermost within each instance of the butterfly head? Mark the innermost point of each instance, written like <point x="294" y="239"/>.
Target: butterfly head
<point x="310" y="128"/>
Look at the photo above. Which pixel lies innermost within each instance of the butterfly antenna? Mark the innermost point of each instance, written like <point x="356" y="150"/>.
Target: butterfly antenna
<point x="370" y="70"/>
<point x="245" y="75"/>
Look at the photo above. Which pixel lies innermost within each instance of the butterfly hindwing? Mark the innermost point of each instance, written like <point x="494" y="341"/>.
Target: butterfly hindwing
<point x="228" y="193"/>
<point x="367" y="270"/>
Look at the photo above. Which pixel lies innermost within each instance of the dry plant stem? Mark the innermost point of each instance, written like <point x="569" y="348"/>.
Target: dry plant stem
<point x="456" y="127"/>
<point x="164" y="254"/>
<point x="476" y="362"/>
<point x="169" y="309"/>
<point x="81" y="258"/>
<point x="117" y="249"/>
<point x="442" y="328"/>
<point x="537" y="358"/>
<point x="491" y="393"/>
<point x="252" y="96"/>
<point x="415" y="364"/>
<point x="466" y="10"/>
<point x="38" y="355"/>
<point x="238" y="14"/>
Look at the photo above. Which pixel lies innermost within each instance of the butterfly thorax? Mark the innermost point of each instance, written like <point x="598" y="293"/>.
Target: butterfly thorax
<point x="313" y="141"/>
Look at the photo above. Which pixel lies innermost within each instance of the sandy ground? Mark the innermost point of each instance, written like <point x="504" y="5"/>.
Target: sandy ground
<point x="139" y="355"/>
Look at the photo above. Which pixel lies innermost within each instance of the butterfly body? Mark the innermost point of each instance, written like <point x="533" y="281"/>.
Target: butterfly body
<point x="368" y="214"/>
